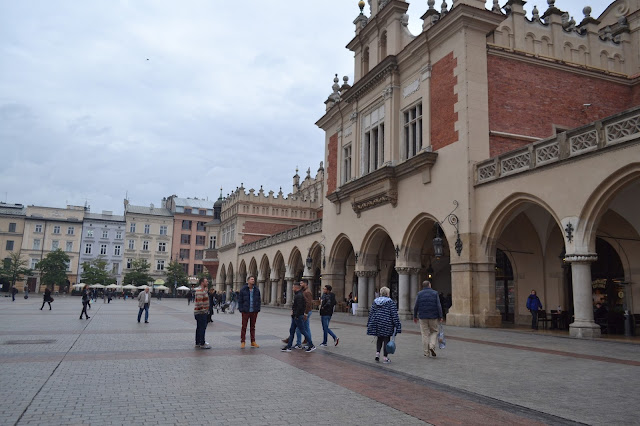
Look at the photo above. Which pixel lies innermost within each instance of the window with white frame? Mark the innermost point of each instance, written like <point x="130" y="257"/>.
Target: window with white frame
<point x="71" y="230"/>
<point x="103" y="249"/>
<point x="69" y="246"/>
<point x="90" y="233"/>
<point x="56" y="229"/>
<point x="412" y="131"/>
<point x="116" y="250"/>
<point x="36" y="244"/>
<point x="87" y="248"/>
<point x="162" y="247"/>
<point x="132" y="227"/>
<point x="147" y="229"/>
<point x="38" y="229"/>
<point x="163" y="230"/>
<point x="145" y="245"/>
<point x="160" y="265"/>
<point x="55" y="245"/>
<point x="212" y="242"/>
<point x="346" y="164"/>
<point x="118" y="235"/>
<point x="34" y="262"/>
<point x="132" y="244"/>
<point x="68" y="265"/>
<point x="372" y="154"/>
<point x="105" y="233"/>
<point x="129" y="263"/>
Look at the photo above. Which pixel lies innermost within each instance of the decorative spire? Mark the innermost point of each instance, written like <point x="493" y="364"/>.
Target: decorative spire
<point x="443" y="7"/>
<point x="535" y="14"/>
<point x="361" y="6"/>
<point x="345" y="84"/>
<point x="496" y="6"/>
<point x="431" y="3"/>
<point x="587" y="12"/>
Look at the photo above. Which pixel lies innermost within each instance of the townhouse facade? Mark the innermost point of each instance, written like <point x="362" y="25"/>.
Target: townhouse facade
<point x="12" y="218"/>
<point x="103" y="236"/>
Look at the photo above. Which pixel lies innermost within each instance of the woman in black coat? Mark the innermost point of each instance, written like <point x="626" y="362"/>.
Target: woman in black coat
<point x="47" y="298"/>
<point x="85" y="301"/>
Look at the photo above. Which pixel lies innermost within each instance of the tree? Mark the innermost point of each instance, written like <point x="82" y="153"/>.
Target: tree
<point x="95" y="272"/>
<point x="14" y="268"/>
<point x="53" y="268"/>
<point x="139" y="274"/>
<point x="176" y="276"/>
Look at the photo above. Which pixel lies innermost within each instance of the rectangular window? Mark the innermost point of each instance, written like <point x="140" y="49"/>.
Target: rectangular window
<point x="118" y="235"/>
<point x="185" y="239"/>
<point x="34" y="262"/>
<point x="12" y="227"/>
<point x="160" y="265"/>
<point x="200" y="240"/>
<point x="212" y="242"/>
<point x="36" y="244"/>
<point x="184" y="253"/>
<point x="87" y="248"/>
<point x="346" y="164"/>
<point x="68" y="265"/>
<point x="69" y="246"/>
<point x="56" y="229"/>
<point x="197" y="269"/>
<point x="9" y="245"/>
<point x="129" y="263"/>
<point x="55" y="245"/>
<point x="116" y="250"/>
<point x="132" y="227"/>
<point x="38" y="229"/>
<point x="187" y="211"/>
<point x="412" y="131"/>
<point x="372" y="154"/>
<point x="147" y="229"/>
<point x="202" y="212"/>
<point x="162" y="247"/>
<point x="201" y="226"/>
<point x="199" y="254"/>
<point x="132" y="244"/>
<point x="186" y="224"/>
<point x="105" y="233"/>
<point x="185" y="268"/>
<point x="163" y="230"/>
<point x="71" y="230"/>
<point x="90" y="233"/>
<point x="145" y="245"/>
<point x="116" y="268"/>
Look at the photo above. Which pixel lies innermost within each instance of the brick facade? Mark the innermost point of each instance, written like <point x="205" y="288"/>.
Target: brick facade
<point x="262" y="228"/>
<point x="528" y="99"/>
<point x="332" y="164"/>
<point x="443" y="100"/>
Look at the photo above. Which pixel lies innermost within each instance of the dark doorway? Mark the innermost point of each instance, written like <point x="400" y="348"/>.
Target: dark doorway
<point x="505" y="296"/>
<point x="393" y="284"/>
<point x="608" y="288"/>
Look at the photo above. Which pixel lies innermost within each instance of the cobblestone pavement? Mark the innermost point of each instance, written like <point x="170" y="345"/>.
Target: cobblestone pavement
<point x="110" y="369"/>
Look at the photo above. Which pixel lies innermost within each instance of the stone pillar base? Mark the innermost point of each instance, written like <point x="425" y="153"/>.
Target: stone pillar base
<point x="362" y="312"/>
<point x="405" y="315"/>
<point x="584" y="330"/>
<point x="460" y="320"/>
<point x="487" y="320"/>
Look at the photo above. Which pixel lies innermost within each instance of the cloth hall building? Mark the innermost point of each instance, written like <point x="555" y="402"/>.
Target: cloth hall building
<point x="494" y="152"/>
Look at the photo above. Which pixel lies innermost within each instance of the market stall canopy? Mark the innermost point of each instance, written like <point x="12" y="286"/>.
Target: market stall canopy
<point x="96" y="286"/>
<point x="142" y="287"/>
<point x="113" y="286"/>
<point x="130" y="287"/>
<point x="184" y="287"/>
<point x="162" y="288"/>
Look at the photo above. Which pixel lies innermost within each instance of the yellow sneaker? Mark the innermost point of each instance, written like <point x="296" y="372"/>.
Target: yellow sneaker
<point x="242" y="345"/>
<point x="254" y="345"/>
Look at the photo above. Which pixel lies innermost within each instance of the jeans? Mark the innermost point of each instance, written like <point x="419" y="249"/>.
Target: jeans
<point x="299" y="325"/>
<point x="534" y="319"/>
<point x="325" y="328"/>
<point x="146" y="312"/>
<point x="308" y="330"/>
<point x="201" y="327"/>
<point x="250" y="317"/>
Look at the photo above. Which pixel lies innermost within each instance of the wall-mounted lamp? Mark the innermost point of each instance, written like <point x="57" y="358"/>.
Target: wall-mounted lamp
<point x="429" y="272"/>
<point x="437" y="241"/>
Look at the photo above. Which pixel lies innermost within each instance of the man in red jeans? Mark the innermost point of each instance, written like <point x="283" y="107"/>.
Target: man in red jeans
<point x="249" y="306"/>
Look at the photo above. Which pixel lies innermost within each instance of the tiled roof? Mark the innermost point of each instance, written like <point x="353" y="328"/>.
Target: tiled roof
<point x="192" y="202"/>
<point x="156" y="211"/>
<point x="13" y="209"/>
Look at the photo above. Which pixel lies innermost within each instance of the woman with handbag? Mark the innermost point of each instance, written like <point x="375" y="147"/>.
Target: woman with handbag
<point x="383" y="322"/>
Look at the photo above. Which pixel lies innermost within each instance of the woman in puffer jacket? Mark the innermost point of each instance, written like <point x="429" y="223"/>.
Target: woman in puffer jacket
<point x="383" y="319"/>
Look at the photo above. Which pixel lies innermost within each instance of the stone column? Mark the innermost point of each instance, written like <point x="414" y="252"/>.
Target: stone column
<point x="371" y="287"/>
<point x="261" y="288"/>
<point x="289" y="301"/>
<point x="279" y="293"/>
<point x="403" y="292"/>
<point x="274" y="290"/>
<point x="583" y="326"/>
<point x="363" y="303"/>
<point x="414" y="288"/>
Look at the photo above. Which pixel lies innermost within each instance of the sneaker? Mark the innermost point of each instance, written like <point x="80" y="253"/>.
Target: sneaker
<point x="386" y="361"/>
<point x="254" y="345"/>
<point x="324" y="345"/>
<point x="242" y="345"/>
<point x="205" y="346"/>
<point x="432" y="351"/>
<point x="337" y="341"/>
<point x="146" y="322"/>
<point x="311" y="349"/>
<point x="285" y="349"/>
<point x="297" y="347"/>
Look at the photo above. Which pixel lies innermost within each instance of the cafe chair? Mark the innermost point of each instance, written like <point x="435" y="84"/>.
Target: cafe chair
<point x="542" y="317"/>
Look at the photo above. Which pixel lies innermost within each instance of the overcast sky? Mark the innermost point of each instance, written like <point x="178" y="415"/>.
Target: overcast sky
<point x="103" y="98"/>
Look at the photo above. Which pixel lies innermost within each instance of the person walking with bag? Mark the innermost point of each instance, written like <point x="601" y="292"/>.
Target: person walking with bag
<point x="327" y="303"/>
<point x="428" y="310"/>
<point x="383" y="321"/>
<point x="47" y="298"/>
<point x="85" y="301"/>
<point x="144" y="301"/>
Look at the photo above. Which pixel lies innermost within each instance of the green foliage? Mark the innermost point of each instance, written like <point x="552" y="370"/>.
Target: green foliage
<point x="54" y="268"/>
<point x="14" y="268"/>
<point x="96" y="271"/>
<point x="139" y="273"/>
<point x="175" y="274"/>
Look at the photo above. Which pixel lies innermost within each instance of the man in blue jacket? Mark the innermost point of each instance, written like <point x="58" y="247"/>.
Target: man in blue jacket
<point x="429" y="311"/>
<point x="534" y="305"/>
<point x="249" y="306"/>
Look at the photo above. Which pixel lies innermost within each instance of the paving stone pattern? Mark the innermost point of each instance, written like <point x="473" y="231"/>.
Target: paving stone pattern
<point x="110" y="370"/>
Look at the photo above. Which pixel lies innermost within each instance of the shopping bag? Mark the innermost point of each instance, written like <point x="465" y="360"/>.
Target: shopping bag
<point x="441" y="340"/>
<point x="391" y="345"/>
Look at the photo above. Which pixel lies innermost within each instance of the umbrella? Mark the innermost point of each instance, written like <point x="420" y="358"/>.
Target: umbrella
<point x="184" y="287"/>
<point x="142" y="287"/>
<point x="130" y="287"/>
<point x="96" y="286"/>
<point x="113" y="286"/>
<point x="162" y="288"/>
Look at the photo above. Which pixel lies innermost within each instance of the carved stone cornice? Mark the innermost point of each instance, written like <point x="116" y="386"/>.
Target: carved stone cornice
<point x="308" y="228"/>
<point x="372" y="79"/>
<point x="581" y="258"/>
<point x="366" y="273"/>
<point x="404" y="270"/>
<point x="227" y="247"/>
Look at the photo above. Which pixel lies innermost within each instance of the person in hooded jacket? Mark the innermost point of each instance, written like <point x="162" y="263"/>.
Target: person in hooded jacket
<point x="383" y="320"/>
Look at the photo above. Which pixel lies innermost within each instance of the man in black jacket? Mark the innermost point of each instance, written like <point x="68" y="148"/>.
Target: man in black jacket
<point x="298" y="319"/>
<point x="326" y="311"/>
